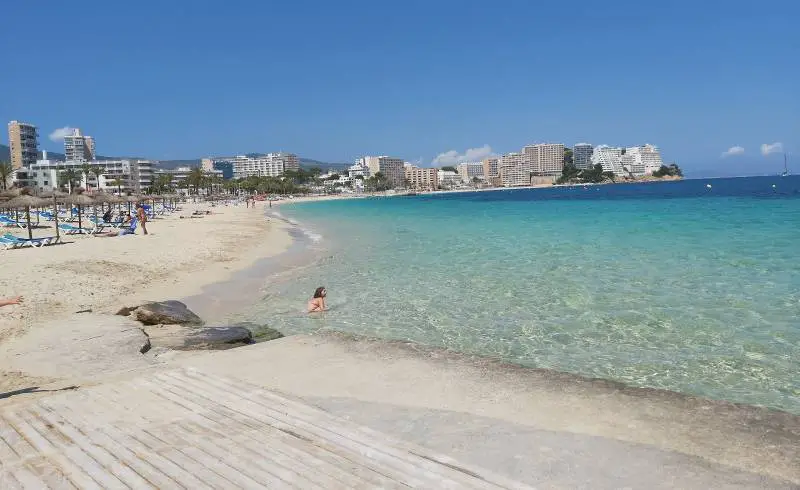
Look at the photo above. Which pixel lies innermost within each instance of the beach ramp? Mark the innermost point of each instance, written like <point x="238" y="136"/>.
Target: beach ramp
<point x="189" y="429"/>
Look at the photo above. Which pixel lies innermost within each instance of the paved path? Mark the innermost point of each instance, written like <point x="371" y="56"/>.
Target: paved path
<point x="186" y="428"/>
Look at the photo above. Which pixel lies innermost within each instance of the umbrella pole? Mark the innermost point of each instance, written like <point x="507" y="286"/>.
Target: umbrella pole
<point x="55" y="212"/>
<point x="28" y="216"/>
<point x="79" y="218"/>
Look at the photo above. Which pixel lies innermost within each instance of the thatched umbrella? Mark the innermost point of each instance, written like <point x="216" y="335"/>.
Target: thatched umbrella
<point x="57" y="196"/>
<point x="102" y="198"/>
<point x="80" y="200"/>
<point x="10" y="194"/>
<point x="131" y="199"/>
<point x="24" y="201"/>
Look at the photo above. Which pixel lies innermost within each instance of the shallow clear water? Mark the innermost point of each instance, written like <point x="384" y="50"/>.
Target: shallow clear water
<point x="671" y="285"/>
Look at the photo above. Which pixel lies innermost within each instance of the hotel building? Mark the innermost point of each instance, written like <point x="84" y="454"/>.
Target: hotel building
<point x="641" y="160"/>
<point x="514" y="169"/>
<point x="134" y="175"/>
<point x="78" y="148"/>
<point x="470" y="170"/>
<point x="609" y="157"/>
<point x="392" y="168"/>
<point x="545" y="159"/>
<point x="23" y="142"/>
<point x="423" y="179"/>
<point x="582" y="155"/>
<point x="269" y="165"/>
<point x="491" y="170"/>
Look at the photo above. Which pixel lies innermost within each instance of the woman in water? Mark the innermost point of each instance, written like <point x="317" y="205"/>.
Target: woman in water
<point x="317" y="303"/>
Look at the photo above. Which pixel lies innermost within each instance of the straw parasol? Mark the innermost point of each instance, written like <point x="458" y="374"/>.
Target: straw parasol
<point x="24" y="201"/>
<point x="80" y="200"/>
<point x="56" y="196"/>
<point x="131" y="199"/>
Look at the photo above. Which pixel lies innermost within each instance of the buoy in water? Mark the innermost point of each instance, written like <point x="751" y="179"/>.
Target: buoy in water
<point x="773" y="186"/>
<point x="708" y="185"/>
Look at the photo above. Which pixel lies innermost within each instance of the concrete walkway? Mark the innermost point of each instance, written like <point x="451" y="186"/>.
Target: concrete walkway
<point x="185" y="428"/>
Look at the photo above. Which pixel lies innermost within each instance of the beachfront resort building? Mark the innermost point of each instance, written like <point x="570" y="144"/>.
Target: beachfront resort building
<point x="421" y="178"/>
<point x="582" y="155"/>
<point x="23" y="142"/>
<point x="391" y="168"/>
<point x="269" y="165"/>
<point x="515" y="170"/>
<point x="448" y="179"/>
<point x="545" y="159"/>
<point x="115" y="176"/>
<point x="359" y="170"/>
<point x="78" y="148"/>
<point x="469" y="171"/>
<point x="609" y="157"/>
<point x="491" y="170"/>
<point x="638" y="161"/>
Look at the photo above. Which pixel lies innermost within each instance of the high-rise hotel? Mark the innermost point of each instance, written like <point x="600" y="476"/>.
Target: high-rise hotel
<point x="23" y="141"/>
<point x="78" y="148"/>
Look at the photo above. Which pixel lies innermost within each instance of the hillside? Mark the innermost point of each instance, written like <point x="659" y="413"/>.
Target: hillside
<point x="5" y="155"/>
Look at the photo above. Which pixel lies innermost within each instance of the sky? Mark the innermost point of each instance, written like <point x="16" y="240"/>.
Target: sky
<point x="431" y="81"/>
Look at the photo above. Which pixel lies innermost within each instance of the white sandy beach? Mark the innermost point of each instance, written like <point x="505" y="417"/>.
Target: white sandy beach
<point x="101" y="274"/>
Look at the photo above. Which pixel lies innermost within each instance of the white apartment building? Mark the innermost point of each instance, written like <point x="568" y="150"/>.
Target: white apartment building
<point x="179" y="174"/>
<point x="134" y="176"/>
<point x="582" y="155"/>
<point x="358" y="169"/>
<point x="448" y="179"/>
<point x="609" y="157"/>
<point x="392" y="168"/>
<point x="269" y="165"/>
<point x="514" y="169"/>
<point x="545" y="159"/>
<point x="641" y="160"/>
<point x="79" y="148"/>
<point x="470" y="170"/>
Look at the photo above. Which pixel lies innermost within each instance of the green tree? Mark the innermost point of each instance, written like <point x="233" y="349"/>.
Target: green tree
<point x="377" y="183"/>
<point x="568" y="156"/>
<point x="570" y="173"/>
<point x="86" y="170"/>
<point x="98" y="171"/>
<point x="117" y="182"/>
<point x="449" y="168"/>
<point x="67" y="178"/>
<point x="5" y="172"/>
<point x="668" y="171"/>
<point x="195" y="179"/>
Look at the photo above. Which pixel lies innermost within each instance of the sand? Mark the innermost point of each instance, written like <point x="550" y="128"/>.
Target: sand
<point x="174" y="261"/>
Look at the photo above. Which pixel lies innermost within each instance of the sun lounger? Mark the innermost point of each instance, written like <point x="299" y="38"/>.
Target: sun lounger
<point x="9" y="244"/>
<point x="69" y="229"/>
<point x="7" y="222"/>
<point x="28" y="242"/>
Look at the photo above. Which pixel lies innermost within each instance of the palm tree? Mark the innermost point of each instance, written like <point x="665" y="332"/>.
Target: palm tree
<point x="195" y="179"/>
<point x="5" y="172"/>
<point x="68" y="178"/>
<point x="98" y="171"/>
<point x="117" y="182"/>
<point x="86" y="169"/>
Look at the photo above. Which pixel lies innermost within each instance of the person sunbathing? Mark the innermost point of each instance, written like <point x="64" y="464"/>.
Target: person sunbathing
<point x="11" y="301"/>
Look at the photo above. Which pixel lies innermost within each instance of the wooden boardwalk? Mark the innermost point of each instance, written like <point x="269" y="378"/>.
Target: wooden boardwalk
<point x="189" y="429"/>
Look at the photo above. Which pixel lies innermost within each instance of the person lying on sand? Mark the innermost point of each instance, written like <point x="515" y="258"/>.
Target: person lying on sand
<point x="11" y="301"/>
<point x="317" y="303"/>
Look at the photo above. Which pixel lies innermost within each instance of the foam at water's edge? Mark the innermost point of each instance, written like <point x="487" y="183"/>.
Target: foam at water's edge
<point x="314" y="237"/>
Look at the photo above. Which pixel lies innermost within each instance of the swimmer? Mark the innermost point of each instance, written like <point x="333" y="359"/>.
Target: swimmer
<point x="317" y="303"/>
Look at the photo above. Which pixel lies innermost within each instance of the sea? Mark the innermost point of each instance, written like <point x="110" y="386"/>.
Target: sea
<point x="690" y="286"/>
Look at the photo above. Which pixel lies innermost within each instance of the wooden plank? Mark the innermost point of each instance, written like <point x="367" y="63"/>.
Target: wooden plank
<point x="282" y="466"/>
<point x="401" y="469"/>
<point x="116" y="447"/>
<point x="303" y="410"/>
<point x="63" y="464"/>
<point x="108" y="461"/>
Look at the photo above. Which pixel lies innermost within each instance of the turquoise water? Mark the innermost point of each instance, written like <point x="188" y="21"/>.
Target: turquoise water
<point x="672" y="286"/>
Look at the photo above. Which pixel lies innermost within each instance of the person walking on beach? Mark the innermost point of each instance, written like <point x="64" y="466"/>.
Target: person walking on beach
<point x="11" y="301"/>
<point x="142" y="216"/>
<point x="317" y="303"/>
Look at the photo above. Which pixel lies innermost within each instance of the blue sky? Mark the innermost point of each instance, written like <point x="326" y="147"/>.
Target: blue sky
<point x="414" y="79"/>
